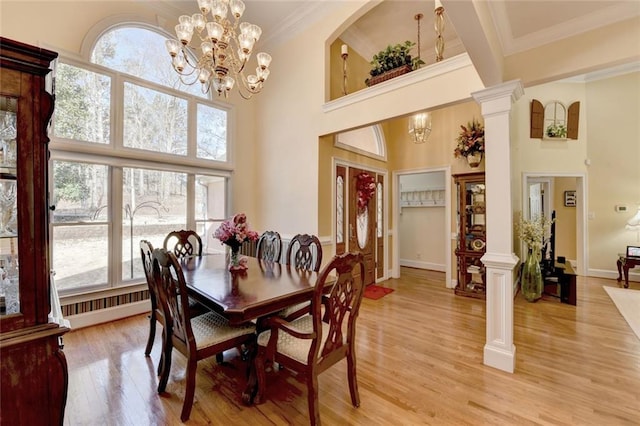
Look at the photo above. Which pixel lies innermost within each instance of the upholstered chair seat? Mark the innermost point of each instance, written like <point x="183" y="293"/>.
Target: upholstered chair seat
<point x="294" y="347"/>
<point x="212" y="328"/>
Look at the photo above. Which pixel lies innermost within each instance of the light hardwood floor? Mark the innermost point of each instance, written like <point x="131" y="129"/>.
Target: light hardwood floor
<point x="419" y="361"/>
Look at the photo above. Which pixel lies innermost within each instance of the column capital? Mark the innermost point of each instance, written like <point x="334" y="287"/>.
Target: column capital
<point x="500" y="260"/>
<point x="498" y="99"/>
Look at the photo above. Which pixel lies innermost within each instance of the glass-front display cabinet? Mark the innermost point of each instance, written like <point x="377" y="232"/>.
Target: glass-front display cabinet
<point x="33" y="368"/>
<point x="471" y="239"/>
<point x="9" y="260"/>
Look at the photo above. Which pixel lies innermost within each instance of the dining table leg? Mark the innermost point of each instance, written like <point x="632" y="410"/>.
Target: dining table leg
<point x="251" y="388"/>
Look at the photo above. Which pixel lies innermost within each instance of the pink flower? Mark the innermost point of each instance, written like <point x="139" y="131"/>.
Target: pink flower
<point x="235" y="231"/>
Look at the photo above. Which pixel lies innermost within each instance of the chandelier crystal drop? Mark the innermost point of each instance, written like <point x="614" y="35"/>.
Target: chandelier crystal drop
<point x="226" y="45"/>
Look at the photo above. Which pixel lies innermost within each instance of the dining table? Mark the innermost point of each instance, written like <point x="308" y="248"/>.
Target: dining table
<point x="264" y="288"/>
<point x="261" y="290"/>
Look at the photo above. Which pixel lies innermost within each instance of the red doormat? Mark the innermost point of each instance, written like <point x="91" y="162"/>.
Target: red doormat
<point x="375" y="292"/>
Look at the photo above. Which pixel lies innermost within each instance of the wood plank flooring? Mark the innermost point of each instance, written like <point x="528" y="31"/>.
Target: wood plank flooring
<point x="419" y="362"/>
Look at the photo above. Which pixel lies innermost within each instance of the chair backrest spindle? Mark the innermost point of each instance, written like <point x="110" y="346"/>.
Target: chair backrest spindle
<point x="305" y="252"/>
<point x="269" y="246"/>
<point x="183" y="243"/>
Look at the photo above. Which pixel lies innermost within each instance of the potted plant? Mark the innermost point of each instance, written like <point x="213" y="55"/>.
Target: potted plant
<point x="470" y="143"/>
<point x="557" y="131"/>
<point x="391" y="62"/>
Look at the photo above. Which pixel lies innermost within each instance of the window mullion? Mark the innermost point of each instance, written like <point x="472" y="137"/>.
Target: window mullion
<point x="191" y="201"/>
<point x="117" y="112"/>
<point x="116" y="218"/>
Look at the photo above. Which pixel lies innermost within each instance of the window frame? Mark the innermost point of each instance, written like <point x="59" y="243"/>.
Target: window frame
<point x="116" y="156"/>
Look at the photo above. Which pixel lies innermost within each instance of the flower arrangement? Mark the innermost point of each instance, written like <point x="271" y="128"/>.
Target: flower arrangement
<point x="533" y="232"/>
<point x="366" y="189"/>
<point x="235" y="231"/>
<point x="470" y="140"/>
<point x="557" y="131"/>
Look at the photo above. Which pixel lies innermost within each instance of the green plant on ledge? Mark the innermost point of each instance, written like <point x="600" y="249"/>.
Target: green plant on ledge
<point x="557" y="131"/>
<point x="394" y="56"/>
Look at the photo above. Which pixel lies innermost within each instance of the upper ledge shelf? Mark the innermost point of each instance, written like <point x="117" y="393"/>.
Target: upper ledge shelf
<point x="426" y="73"/>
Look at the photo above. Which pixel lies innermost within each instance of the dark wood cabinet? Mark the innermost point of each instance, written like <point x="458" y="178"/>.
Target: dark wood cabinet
<point x="33" y="368"/>
<point x="471" y="241"/>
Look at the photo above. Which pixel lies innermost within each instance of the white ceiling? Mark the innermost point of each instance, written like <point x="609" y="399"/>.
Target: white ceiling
<point x="518" y="25"/>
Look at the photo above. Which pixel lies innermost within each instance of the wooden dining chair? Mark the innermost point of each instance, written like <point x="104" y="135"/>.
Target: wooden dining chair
<point x="312" y="343"/>
<point x="146" y="253"/>
<point x="157" y="315"/>
<point x="195" y="337"/>
<point x="183" y="243"/>
<point x="303" y="252"/>
<point x="269" y="246"/>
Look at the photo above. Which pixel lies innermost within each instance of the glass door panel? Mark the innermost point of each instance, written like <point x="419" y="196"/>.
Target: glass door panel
<point x="9" y="283"/>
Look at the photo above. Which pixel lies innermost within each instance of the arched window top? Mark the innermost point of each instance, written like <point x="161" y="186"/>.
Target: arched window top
<point x="139" y="52"/>
<point x="367" y="141"/>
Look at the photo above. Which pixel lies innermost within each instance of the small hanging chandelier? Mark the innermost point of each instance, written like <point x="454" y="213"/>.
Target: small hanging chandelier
<point x="420" y="127"/>
<point x="225" y="46"/>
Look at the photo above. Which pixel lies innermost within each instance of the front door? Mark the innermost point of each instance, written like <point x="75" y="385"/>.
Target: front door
<point x="362" y="218"/>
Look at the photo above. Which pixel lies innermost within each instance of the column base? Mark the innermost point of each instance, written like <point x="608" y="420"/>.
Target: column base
<point x="500" y="358"/>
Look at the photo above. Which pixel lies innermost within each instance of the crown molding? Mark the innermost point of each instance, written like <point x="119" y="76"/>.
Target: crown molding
<point x="602" y="74"/>
<point x="606" y="16"/>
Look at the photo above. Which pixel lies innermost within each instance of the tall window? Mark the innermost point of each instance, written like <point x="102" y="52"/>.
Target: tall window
<point x="135" y="155"/>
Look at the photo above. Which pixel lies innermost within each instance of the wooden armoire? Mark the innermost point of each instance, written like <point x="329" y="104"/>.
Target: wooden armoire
<point x="33" y="368"/>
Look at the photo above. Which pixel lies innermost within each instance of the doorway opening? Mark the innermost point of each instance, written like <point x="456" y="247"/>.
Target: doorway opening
<point x="422" y="220"/>
<point x="544" y="193"/>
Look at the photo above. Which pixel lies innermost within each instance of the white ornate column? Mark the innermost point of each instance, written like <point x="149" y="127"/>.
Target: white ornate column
<point x="499" y="259"/>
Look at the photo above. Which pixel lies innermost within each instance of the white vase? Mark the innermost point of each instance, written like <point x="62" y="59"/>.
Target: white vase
<point x="474" y="159"/>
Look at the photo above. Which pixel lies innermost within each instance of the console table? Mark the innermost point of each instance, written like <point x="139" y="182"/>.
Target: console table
<point x="564" y="276"/>
<point x="624" y="264"/>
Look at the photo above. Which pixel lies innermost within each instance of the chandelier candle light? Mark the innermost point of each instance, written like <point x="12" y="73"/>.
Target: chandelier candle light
<point x="225" y="49"/>
<point x="345" y="54"/>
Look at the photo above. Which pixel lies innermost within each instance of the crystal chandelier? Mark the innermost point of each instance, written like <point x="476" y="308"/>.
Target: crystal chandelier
<point x="226" y="45"/>
<point x="420" y="127"/>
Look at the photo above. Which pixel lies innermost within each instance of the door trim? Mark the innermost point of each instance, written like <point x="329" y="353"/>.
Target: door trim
<point x="336" y="161"/>
<point x="582" y="252"/>
<point x="449" y="234"/>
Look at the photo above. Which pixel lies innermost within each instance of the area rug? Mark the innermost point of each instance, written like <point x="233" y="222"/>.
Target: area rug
<point x="628" y="303"/>
<point x="375" y="292"/>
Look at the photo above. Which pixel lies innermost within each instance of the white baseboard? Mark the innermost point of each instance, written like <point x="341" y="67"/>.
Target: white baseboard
<point x="422" y="265"/>
<point x="109" y="314"/>
<point x="612" y="275"/>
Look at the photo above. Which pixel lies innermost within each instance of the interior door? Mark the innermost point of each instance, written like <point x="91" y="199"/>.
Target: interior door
<point x="540" y="196"/>
<point x="535" y="200"/>
<point x="362" y="223"/>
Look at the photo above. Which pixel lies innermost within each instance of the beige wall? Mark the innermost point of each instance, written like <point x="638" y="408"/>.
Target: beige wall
<point x="540" y="156"/>
<point x="613" y="124"/>
<point x="422" y="237"/>
<point x="357" y="70"/>
<point x="608" y="137"/>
